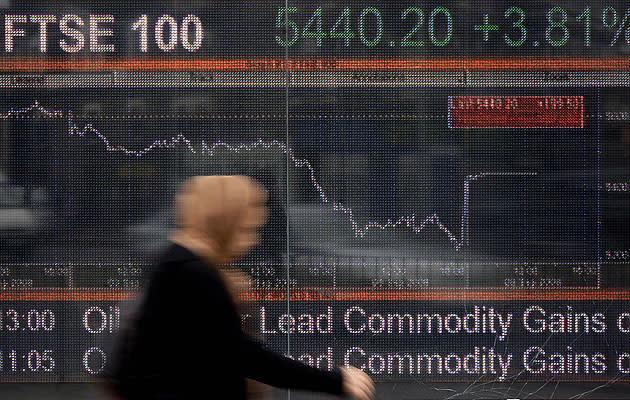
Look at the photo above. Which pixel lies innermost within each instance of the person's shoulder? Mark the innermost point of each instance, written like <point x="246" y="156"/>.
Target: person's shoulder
<point x="177" y="260"/>
<point x="174" y="253"/>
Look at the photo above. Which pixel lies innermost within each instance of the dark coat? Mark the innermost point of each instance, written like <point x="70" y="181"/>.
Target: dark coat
<point x="186" y="340"/>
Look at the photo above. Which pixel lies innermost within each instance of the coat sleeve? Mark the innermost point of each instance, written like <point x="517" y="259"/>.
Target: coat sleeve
<point x="268" y="367"/>
<point x="257" y="361"/>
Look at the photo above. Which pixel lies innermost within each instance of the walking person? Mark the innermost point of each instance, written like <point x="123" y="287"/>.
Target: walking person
<point x="186" y="340"/>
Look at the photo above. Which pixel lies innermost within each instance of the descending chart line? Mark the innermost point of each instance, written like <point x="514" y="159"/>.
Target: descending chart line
<point x="410" y="221"/>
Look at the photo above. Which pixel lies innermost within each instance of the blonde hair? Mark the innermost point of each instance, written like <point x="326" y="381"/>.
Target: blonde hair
<point x="209" y="210"/>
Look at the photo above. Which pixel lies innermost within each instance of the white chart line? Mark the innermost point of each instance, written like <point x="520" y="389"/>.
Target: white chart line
<point x="410" y="221"/>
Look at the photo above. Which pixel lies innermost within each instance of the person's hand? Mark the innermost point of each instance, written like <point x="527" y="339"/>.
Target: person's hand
<point x="357" y="383"/>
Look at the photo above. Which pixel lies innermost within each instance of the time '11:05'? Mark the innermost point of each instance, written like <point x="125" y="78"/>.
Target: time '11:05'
<point x="29" y="361"/>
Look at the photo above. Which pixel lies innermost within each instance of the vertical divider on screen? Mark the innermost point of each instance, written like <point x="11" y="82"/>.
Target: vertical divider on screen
<point x="287" y="155"/>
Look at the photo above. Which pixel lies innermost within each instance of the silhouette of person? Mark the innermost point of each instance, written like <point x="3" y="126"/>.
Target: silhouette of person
<point x="186" y="340"/>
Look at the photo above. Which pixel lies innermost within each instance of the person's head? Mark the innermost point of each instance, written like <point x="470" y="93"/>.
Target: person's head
<point x="218" y="216"/>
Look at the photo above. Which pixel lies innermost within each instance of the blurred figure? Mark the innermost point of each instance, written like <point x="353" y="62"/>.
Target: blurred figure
<point x="186" y="339"/>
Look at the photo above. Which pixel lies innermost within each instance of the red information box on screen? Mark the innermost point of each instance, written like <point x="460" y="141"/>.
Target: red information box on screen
<point x="516" y="111"/>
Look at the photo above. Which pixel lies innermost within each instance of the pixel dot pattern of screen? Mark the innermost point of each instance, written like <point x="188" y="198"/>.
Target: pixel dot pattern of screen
<point x="448" y="183"/>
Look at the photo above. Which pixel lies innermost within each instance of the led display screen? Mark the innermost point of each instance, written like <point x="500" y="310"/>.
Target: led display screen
<point x="449" y="183"/>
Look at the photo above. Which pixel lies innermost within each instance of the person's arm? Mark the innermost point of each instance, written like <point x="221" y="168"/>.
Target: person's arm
<point x="262" y="364"/>
<point x="268" y="367"/>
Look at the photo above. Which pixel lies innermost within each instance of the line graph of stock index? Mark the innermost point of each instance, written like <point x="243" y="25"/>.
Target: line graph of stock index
<point x="395" y="207"/>
<point x="439" y="244"/>
<point x="416" y="225"/>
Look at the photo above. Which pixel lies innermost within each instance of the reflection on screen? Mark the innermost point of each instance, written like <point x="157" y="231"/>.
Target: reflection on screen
<point x="449" y="183"/>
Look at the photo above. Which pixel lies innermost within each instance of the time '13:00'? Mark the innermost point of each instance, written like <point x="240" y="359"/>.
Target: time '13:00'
<point x="31" y="321"/>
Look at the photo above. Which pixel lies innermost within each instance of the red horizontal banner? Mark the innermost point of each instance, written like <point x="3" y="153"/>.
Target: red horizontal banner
<point x="330" y="294"/>
<point x="516" y="112"/>
<point x="40" y="64"/>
